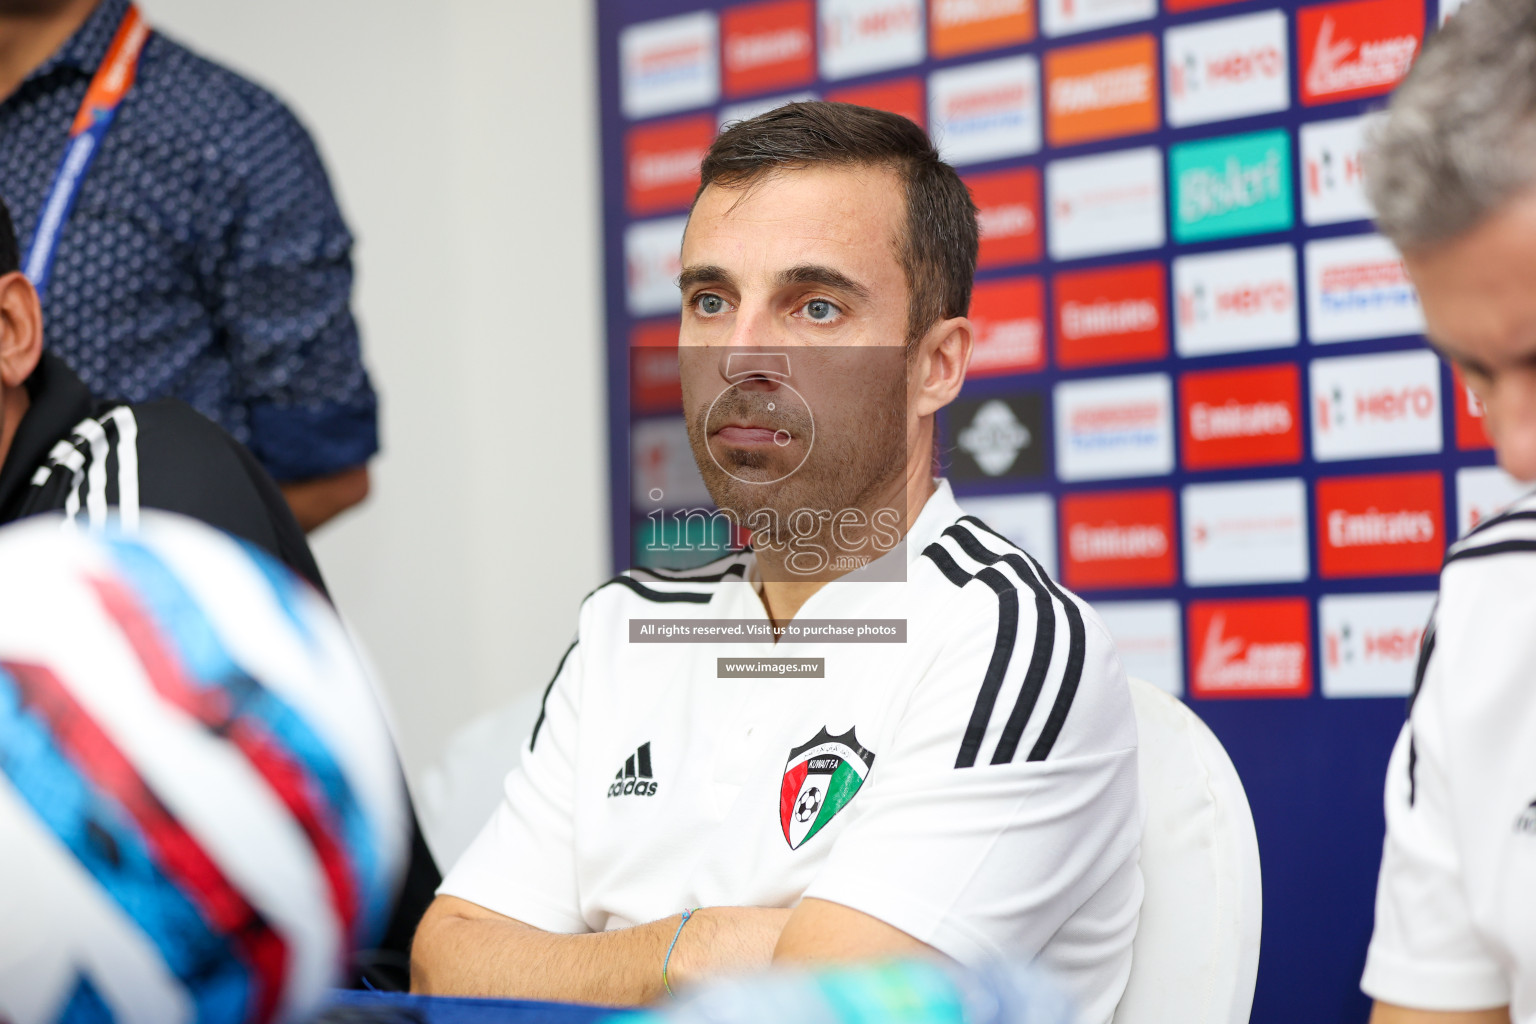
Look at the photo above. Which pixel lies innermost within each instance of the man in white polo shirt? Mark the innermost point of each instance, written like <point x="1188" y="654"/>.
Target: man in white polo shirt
<point x="937" y="754"/>
<point x="1452" y="173"/>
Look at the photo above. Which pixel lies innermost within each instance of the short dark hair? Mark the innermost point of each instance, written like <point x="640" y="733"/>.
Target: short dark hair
<point x="938" y="253"/>
<point x="10" y="253"/>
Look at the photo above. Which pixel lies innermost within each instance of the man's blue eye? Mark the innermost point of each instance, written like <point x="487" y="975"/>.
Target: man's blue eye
<point x="711" y="304"/>
<point x="819" y="309"/>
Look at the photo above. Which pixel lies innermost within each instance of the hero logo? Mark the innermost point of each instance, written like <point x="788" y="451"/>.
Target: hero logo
<point x="653" y="260"/>
<point x="860" y="36"/>
<point x="1105" y="204"/>
<point x="1062" y="17"/>
<point x="1114" y="427"/>
<point x="1110" y="315"/>
<point x="1236" y="301"/>
<point x="1233" y="67"/>
<point x="1371" y="642"/>
<point x="1241" y="417"/>
<point x="1333" y="171"/>
<point x="1119" y="539"/>
<point x="1253" y="648"/>
<point x="986" y="111"/>
<point x="669" y="64"/>
<point x="1357" y="288"/>
<point x="1249" y="532"/>
<point x="1376" y="405"/>
<point x="1007" y="205"/>
<point x="1380" y="525"/>
<point x="1358" y="49"/>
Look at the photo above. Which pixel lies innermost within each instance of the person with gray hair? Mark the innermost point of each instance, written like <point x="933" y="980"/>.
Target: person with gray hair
<point x="1451" y="172"/>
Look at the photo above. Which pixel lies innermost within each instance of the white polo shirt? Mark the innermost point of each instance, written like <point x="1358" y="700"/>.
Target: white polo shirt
<point x="1454" y="904"/>
<point x="974" y="786"/>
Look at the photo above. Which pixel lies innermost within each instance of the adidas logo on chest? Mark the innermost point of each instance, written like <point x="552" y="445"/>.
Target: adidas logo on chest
<point x="635" y="778"/>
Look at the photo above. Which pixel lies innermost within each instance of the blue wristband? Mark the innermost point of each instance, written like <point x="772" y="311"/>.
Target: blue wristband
<point x="665" y="963"/>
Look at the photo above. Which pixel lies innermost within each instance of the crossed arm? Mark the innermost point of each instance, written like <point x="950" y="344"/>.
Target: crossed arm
<point x="1386" y="1013"/>
<point x="464" y="949"/>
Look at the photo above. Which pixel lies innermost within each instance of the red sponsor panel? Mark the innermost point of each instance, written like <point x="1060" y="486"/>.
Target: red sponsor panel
<point x="661" y="163"/>
<point x="1253" y="648"/>
<point x="1116" y="539"/>
<point x="1356" y="49"/>
<point x="1111" y="315"/>
<point x="654" y="384"/>
<point x="1471" y="428"/>
<point x="902" y="96"/>
<point x="1176" y="6"/>
<point x="1232" y="418"/>
<point x="1008" y="212"/>
<point x="1008" y="324"/>
<point x="768" y="46"/>
<point x="1390" y="525"/>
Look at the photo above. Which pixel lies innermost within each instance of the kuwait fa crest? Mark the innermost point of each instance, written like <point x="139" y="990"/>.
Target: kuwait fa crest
<point x="819" y="780"/>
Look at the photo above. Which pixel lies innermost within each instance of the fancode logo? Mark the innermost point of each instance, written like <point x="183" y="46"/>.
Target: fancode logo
<point x="1008" y="213"/>
<point x="1333" y="171"/>
<point x="1358" y="288"/>
<point x="1234" y="67"/>
<point x="1357" y="49"/>
<point x="1105" y="204"/>
<point x="1387" y="404"/>
<point x="1007" y="322"/>
<point x="1101" y="90"/>
<point x="768" y="46"/>
<point x="902" y="96"/>
<point x="662" y="163"/>
<point x="862" y="36"/>
<point x="1114" y="427"/>
<point x="987" y="110"/>
<point x="1253" y="531"/>
<point x="1110" y="315"/>
<point x="1061" y="17"/>
<point x="1255" y="648"/>
<point x="1236" y="301"/>
<point x="655" y="385"/>
<point x="1238" y="185"/>
<point x="1371" y="642"/>
<point x="1380" y="525"/>
<point x="1149" y="638"/>
<point x="965" y="26"/>
<point x="1241" y="417"/>
<point x="1119" y="539"/>
<point x="1471" y="422"/>
<point x="669" y="64"/>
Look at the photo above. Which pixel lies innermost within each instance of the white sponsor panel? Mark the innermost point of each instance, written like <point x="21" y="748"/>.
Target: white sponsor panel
<point x="1357" y="288"/>
<point x="986" y="111"/>
<point x="1149" y="638"/>
<point x="1254" y="531"/>
<point x="1332" y="171"/>
<point x="1029" y="520"/>
<point x="1232" y="67"/>
<point x="749" y="109"/>
<point x="1386" y="404"/>
<point x="669" y="64"/>
<point x="861" y="36"/>
<point x="1063" y="17"/>
<point x="1114" y="427"/>
<point x="1448" y="8"/>
<point x="653" y="257"/>
<point x="663" y="464"/>
<point x="1239" y="300"/>
<point x="1104" y="204"/>
<point x="1482" y="492"/>
<point x="1370" y="642"/>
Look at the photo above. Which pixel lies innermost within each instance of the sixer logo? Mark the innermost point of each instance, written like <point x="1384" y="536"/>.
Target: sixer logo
<point x="1390" y="525"/>
<point x="819" y="780"/>
<point x="1119" y="539"/>
<point x="1357" y="49"/>
<point x="1255" y="648"/>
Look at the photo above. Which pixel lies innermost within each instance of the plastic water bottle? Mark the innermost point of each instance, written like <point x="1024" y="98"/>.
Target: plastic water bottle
<point x="901" y="992"/>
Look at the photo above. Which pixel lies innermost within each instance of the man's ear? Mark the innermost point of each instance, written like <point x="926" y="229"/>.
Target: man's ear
<point x="21" y="329"/>
<point x="939" y="368"/>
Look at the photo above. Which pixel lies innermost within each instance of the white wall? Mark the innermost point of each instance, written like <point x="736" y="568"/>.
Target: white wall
<point x="461" y="136"/>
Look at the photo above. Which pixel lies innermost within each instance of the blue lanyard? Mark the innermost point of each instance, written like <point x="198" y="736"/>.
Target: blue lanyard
<point x="114" y="78"/>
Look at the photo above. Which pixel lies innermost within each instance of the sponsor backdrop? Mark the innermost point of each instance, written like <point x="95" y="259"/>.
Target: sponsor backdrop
<point x="1199" y="391"/>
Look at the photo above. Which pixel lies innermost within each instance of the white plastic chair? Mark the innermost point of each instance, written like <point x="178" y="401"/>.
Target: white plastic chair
<point x="1196" y="953"/>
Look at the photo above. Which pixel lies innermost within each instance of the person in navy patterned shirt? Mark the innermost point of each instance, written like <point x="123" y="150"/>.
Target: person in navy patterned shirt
<point x="205" y="258"/>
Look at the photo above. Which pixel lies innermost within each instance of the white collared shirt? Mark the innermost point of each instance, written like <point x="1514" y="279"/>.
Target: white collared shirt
<point x="974" y="786"/>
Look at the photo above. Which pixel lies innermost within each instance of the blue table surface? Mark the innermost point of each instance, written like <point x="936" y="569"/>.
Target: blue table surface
<point x="460" y="1010"/>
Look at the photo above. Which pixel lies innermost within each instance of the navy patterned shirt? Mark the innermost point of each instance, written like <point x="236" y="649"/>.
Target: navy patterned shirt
<point x="205" y="258"/>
